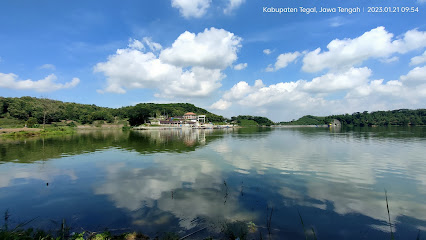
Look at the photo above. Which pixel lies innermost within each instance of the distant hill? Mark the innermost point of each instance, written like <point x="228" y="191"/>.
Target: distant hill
<point x="400" y="117"/>
<point x="46" y="110"/>
<point x="247" y="120"/>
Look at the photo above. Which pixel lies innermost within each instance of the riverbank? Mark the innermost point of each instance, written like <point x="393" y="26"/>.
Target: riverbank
<point x="14" y="130"/>
<point x="35" y="132"/>
<point x="183" y="127"/>
<point x="300" y="126"/>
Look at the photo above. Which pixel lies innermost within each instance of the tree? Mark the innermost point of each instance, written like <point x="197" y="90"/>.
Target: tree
<point x="31" y="122"/>
<point x="49" y="108"/>
<point x="138" y="115"/>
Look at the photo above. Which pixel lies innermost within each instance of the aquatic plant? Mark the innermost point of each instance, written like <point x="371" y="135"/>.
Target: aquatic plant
<point x="304" y="229"/>
<point x="387" y="207"/>
<point x="235" y="230"/>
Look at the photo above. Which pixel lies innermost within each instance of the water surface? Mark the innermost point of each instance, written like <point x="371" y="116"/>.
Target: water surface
<point x="182" y="181"/>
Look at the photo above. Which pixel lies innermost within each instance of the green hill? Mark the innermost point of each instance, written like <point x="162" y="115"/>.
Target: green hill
<point x="40" y="110"/>
<point x="399" y="117"/>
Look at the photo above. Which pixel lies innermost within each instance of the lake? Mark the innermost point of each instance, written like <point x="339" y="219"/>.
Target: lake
<point x="183" y="181"/>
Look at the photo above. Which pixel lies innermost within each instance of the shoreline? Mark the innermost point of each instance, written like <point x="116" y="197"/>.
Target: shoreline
<point x="300" y="126"/>
<point x="182" y="127"/>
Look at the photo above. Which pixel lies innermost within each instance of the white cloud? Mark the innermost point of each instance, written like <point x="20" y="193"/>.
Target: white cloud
<point x="377" y="43"/>
<point x="240" y="66"/>
<point x="284" y="59"/>
<point x="267" y="51"/>
<point x="332" y="82"/>
<point x="418" y="59"/>
<point x="241" y="89"/>
<point x="269" y="68"/>
<point x="136" y="44"/>
<point x="48" y="84"/>
<point x="238" y="91"/>
<point x="232" y="4"/>
<point x="131" y="68"/>
<point x="213" y="48"/>
<point x="415" y="77"/>
<point x="221" y="105"/>
<point x="192" y="67"/>
<point x="390" y="60"/>
<point x="191" y="8"/>
<point x="198" y="82"/>
<point x="274" y="93"/>
<point x="320" y="96"/>
<point x="152" y="45"/>
<point x="48" y="66"/>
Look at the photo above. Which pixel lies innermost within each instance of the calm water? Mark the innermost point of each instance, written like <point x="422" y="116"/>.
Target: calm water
<point x="182" y="181"/>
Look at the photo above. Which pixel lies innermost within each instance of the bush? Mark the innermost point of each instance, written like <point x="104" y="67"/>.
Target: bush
<point x="31" y="122"/>
<point x="71" y="124"/>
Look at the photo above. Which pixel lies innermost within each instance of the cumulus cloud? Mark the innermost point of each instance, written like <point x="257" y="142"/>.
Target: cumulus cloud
<point x="191" y="67"/>
<point x="191" y="8"/>
<point x="283" y="60"/>
<point x="48" y="84"/>
<point x="237" y="92"/>
<point x="240" y="66"/>
<point x="213" y="48"/>
<point x="418" y="59"/>
<point x="346" y="87"/>
<point x="415" y="77"/>
<point x="131" y="68"/>
<point x="48" y="66"/>
<point x="267" y="51"/>
<point x="274" y="93"/>
<point x="242" y="89"/>
<point x="357" y="91"/>
<point x="332" y="82"/>
<point x="221" y="105"/>
<point x="198" y="82"/>
<point x="377" y="43"/>
<point x="232" y="4"/>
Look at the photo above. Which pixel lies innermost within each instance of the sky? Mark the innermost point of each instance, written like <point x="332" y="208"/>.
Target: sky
<point x="231" y="57"/>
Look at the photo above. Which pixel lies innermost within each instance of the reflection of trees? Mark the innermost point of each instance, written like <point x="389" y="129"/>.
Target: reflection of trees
<point x="335" y="176"/>
<point x="30" y="150"/>
<point x="252" y="132"/>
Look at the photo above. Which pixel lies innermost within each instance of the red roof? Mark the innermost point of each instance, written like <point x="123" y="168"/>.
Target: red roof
<point x="189" y="113"/>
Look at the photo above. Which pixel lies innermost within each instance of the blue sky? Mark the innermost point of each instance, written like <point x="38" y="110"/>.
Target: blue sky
<point x="227" y="56"/>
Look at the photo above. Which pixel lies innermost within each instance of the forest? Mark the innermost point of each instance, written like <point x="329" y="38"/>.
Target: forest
<point x="400" y="117"/>
<point x="43" y="110"/>
<point x="247" y="120"/>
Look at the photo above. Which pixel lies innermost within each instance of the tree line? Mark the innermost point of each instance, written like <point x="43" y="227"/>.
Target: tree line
<point x="263" y="121"/>
<point x="43" y="110"/>
<point x="399" y="117"/>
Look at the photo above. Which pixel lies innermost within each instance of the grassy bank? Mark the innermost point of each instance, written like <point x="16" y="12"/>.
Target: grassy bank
<point x="11" y="123"/>
<point x="50" y="131"/>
